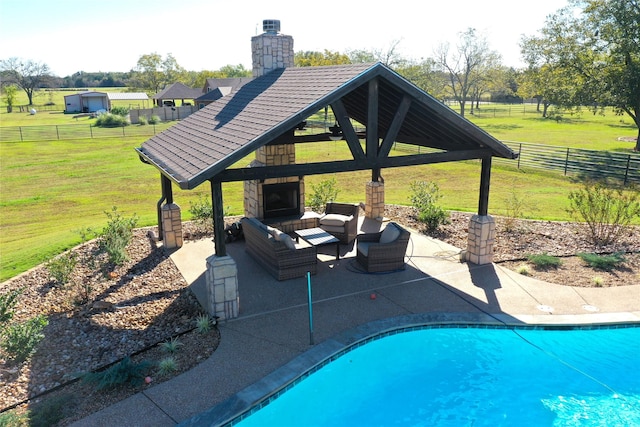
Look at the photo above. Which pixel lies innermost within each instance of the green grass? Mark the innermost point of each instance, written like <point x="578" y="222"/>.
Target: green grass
<point x="51" y="189"/>
<point x="587" y="131"/>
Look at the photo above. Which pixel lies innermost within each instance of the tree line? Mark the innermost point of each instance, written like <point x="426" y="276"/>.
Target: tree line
<point x="587" y="55"/>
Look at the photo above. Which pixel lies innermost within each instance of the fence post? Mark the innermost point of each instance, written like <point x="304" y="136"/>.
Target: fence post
<point x="566" y="162"/>
<point x="21" y="138"/>
<point x="91" y="131"/>
<point x="626" y="170"/>
<point x="57" y="132"/>
<point x="519" y="154"/>
<point x="123" y="131"/>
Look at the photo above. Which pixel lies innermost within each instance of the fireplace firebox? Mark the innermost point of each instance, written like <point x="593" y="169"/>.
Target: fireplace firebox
<point x="280" y="200"/>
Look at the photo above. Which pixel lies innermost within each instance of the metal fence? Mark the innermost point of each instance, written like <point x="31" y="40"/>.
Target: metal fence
<point x="592" y="164"/>
<point x="59" y="132"/>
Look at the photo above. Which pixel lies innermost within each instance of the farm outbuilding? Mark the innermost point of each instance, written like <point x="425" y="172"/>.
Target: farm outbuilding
<point x="91" y="101"/>
<point x="86" y="102"/>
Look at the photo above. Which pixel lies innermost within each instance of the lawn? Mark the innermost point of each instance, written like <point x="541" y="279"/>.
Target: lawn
<point x="50" y="190"/>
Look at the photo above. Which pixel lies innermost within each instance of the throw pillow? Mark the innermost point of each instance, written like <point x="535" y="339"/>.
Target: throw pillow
<point x="287" y="240"/>
<point x="389" y="234"/>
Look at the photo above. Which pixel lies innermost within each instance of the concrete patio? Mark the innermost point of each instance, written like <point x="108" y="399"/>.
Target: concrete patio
<point x="268" y="345"/>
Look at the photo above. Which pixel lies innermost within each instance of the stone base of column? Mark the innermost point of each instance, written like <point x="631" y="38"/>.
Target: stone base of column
<point x="223" y="299"/>
<point x="482" y="234"/>
<point x="374" y="202"/>
<point x="171" y="226"/>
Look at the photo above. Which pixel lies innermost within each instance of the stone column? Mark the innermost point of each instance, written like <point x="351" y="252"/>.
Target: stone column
<point x="171" y="226"/>
<point x="374" y="202"/>
<point x="223" y="299"/>
<point x="482" y="234"/>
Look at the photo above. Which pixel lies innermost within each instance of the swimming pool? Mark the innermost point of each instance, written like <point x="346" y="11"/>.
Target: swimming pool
<point x="471" y="377"/>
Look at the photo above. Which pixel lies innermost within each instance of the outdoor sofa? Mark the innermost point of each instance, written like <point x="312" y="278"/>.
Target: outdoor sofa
<point x="277" y="252"/>
<point x="384" y="250"/>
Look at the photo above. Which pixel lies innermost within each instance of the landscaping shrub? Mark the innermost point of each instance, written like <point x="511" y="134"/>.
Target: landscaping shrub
<point x="602" y="262"/>
<point x="8" y="302"/>
<point x="203" y="323"/>
<point x="143" y="121"/>
<point x="108" y="120"/>
<point x="61" y="267"/>
<point x="424" y="197"/>
<point x="172" y="345"/>
<point x="544" y="261"/>
<point x="13" y="419"/>
<point x="51" y="410"/>
<point x="154" y="120"/>
<point x="120" y="111"/>
<point x="322" y="193"/>
<point x="202" y="213"/>
<point x="514" y="204"/>
<point x="125" y="371"/>
<point x="117" y="235"/>
<point x="19" y="340"/>
<point x="607" y="212"/>
<point x="167" y="365"/>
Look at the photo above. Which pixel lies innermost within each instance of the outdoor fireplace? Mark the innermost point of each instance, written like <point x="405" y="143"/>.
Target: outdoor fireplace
<point x="281" y="200"/>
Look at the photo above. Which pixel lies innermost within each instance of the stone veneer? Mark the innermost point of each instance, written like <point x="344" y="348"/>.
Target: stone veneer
<point x="171" y="226"/>
<point x="271" y="51"/>
<point x="223" y="299"/>
<point x="374" y="202"/>
<point x="269" y="155"/>
<point x="482" y="234"/>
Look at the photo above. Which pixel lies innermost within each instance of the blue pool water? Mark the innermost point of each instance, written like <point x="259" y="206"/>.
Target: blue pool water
<point x="471" y="377"/>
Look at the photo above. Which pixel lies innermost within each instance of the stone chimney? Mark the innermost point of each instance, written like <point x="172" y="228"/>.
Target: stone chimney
<point x="271" y="50"/>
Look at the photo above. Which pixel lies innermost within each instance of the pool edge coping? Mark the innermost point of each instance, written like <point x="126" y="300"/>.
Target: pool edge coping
<point x="262" y="391"/>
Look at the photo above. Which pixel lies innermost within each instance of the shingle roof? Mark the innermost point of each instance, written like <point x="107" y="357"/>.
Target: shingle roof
<point x="212" y="139"/>
<point x="178" y="91"/>
<point x="127" y="96"/>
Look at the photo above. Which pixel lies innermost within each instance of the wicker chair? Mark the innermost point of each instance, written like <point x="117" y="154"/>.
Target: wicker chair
<point x="341" y="220"/>
<point x="383" y="251"/>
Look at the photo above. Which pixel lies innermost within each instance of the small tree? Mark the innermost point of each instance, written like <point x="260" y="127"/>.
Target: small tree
<point x="117" y="235"/>
<point x="324" y="192"/>
<point x="424" y="197"/>
<point x="10" y="95"/>
<point x="607" y="212"/>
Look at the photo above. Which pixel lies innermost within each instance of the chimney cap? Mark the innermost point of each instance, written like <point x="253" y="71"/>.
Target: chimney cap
<point x="271" y="26"/>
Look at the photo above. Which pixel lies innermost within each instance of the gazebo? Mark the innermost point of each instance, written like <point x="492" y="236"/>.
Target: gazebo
<point x="262" y="116"/>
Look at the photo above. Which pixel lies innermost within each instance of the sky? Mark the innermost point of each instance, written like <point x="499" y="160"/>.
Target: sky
<point x="111" y="35"/>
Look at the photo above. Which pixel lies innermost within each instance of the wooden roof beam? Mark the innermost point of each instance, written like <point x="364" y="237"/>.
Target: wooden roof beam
<point x="340" y="112"/>
<point x="318" y="168"/>
<point x="394" y="128"/>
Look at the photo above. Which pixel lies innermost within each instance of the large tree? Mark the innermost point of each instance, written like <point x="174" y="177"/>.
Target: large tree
<point x="314" y="59"/>
<point x="28" y="75"/>
<point x="152" y="72"/>
<point x="588" y="54"/>
<point x="466" y="64"/>
<point x="427" y="76"/>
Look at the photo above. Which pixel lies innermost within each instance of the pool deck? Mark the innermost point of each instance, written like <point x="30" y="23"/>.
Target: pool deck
<point x="269" y="344"/>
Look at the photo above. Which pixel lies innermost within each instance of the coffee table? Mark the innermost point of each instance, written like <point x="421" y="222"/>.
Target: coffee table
<point x="318" y="237"/>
